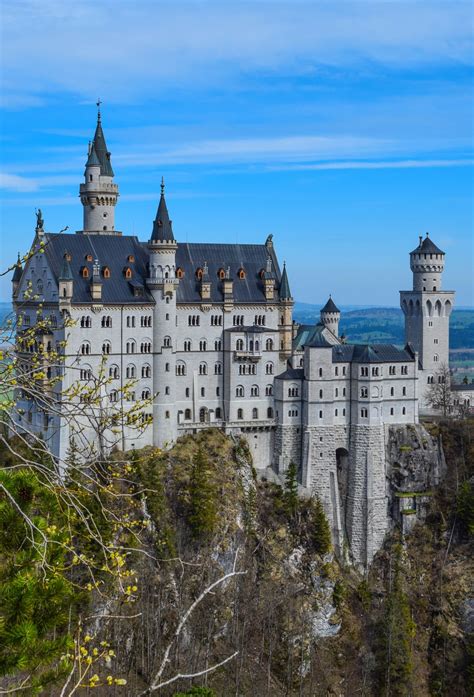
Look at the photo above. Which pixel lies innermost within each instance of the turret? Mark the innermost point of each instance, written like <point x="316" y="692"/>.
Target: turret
<point x="269" y="281"/>
<point x="330" y="316"/>
<point x="16" y="278"/>
<point x="98" y="193"/>
<point x="96" y="282"/>
<point x="286" y="315"/>
<point x="65" y="283"/>
<point x="427" y="264"/>
<point x="163" y="284"/>
<point x="205" y="285"/>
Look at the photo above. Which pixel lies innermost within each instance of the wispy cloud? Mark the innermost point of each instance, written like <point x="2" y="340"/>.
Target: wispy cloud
<point x="394" y="164"/>
<point x="16" y="183"/>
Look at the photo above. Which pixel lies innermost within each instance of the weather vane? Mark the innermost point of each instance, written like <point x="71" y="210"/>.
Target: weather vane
<point x="98" y="103"/>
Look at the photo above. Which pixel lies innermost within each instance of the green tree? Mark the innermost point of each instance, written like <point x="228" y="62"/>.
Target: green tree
<point x="291" y="488"/>
<point x="321" y="529"/>
<point x="202" y="516"/>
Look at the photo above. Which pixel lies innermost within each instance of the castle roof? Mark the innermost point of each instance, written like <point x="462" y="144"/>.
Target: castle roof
<point x="100" y="147"/>
<point x="291" y="374"/>
<point x="18" y="271"/>
<point x="315" y="335"/>
<point x="285" y="293"/>
<point x="252" y="258"/>
<point x="330" y="306"/>
<point x="462" y="387"/>
<point x="162" y="227"/>
<point x="371" y="353"/>
<point x="93" y="159"/>
<point x="113" y="251"/>
<point x="427" y="246"/>
<point x="66" y="272"/>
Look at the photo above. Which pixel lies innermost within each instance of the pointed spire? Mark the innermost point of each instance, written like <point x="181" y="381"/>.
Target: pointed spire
<point x="330" y="306"/>
<point x="66" y="271"/>
<point x="285" y="293"/>
<point x="18" y="270"/>
<point x="162" y="226"/>
<point x="100" y="146"/>
<point x="92" y="160"/>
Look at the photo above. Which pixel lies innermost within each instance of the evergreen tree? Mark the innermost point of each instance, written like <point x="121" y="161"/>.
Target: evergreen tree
<point x="202" y="515"/>
<point x="291" y="488"/>
<point x="321" y="529"/>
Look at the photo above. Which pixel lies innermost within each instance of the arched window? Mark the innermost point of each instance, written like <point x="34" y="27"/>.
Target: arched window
<point x="106" y="272"/>
<point x="364" y="392"/>
<point x="320" y="394"/>
<point x="217" y="345"/>
<point x="113" y="396"/>
<point x="146" y="394"/>
<point x="203" y="369"/>
<point x="436" y="358"/>
<point x="88" y="257"/>
<point x="106" y="347"/>
<point x="199" y="273"/>
<point x="127" y="272"/>
<point x="106" y="321"/>
<point x="131" y="371"/>
<point x="179" y="272"/>
<point x="218" y="369"/>
<point x="269" y="369"/>
<point x="114" y="372"/>
<point x="239" y="345"/>
<point x="269" y="413"/>
<point x="187" y="345"/>
<point x="392" y="392"/>
<point x="187" y="414"/>
<point x="131" y="346"/>
<point x="221" y="274"/>
<point x="404" y="411"/>
<point x="167" y="341"/>
<point x="239" y="391"/>
<point x="86" y="373"/>
<point x="254" y="391"/>
<point x="85" y="272"/>
<point x="180" y="368"/>
<point x="254" y="413"/>
<point x="218" y="413"/>
<point x="241" y="273"/>
<point x="269" y="345"/>
<point x="404" y="391"/>
<point x="269" y="390"/>
<point x="203" y="414"/>
<point x="240" y="413"/>
<point x="85" y="348"/>
<point x="293" y="391"/>
<point x="203" y="345"/>
<point x="146" y="371"/>
<point x="131" y="259"/>
<point x="86" y="322"/>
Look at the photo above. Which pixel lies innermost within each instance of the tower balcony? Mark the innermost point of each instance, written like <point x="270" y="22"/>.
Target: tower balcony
<point x="252" y="356"/>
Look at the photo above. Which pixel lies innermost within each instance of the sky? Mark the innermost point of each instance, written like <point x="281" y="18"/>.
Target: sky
<point x="345" y="129"/>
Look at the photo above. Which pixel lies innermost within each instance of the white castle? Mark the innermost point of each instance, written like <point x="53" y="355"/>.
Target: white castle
<point x="207" y="330"/>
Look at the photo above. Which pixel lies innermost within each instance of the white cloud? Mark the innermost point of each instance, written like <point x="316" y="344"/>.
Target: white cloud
<point x="12" y="182"/>
<point x="124" y="49"/>
<point x="395" y="164"/>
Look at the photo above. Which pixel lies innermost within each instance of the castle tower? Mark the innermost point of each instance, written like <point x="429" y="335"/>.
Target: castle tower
<point x="330" y="316"/>
<point x="98" y="193"/>
<point x="286" y="315"/>
<point x="427" y="309"/>
<point x="163" y="285"/>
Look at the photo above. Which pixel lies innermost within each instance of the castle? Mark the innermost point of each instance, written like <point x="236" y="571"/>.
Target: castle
<point x="206" y="334"/>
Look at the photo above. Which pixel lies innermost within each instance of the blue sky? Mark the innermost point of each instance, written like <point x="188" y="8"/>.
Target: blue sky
<point x="345" y="129"/>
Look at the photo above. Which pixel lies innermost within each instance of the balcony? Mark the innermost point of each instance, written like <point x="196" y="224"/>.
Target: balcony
<point x="252" y="356"/>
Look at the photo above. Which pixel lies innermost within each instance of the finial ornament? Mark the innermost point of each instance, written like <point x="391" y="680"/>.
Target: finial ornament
<point x="427" y="234"/>
<point x="162" y="186"/>
<point x="98" y="103"/>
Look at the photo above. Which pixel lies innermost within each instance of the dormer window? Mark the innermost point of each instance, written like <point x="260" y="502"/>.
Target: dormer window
<point x="85" y="272"/>
<point x="221" y="274"/>
<point x="241" y="274"/>
<point x="199" y="273"/>
<point x="127" y="272"/>
<point x="131" y="258"/>
<point x="106" y="272"/>
<point x="179" y="272"/>
<point x="262" y="273"/>
<point x="88" y="257"/>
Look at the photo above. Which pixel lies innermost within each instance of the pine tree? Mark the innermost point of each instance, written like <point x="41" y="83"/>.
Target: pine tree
<point x="291" y="489"/>
<point x="321" y="529"/>
<point x="202" y="515"/>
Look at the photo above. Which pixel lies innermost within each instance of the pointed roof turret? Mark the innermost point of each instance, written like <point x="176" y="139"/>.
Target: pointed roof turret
<point x="427" y="246"/>
<point x="162" y="227"/>
<point x="330" y="306"/>
<point x="66" y="271"/>
<point x="285" y="293"/>
<point x="93" y="159"/>
<point x="18" y="270"/>
<point x="100" y="147"/>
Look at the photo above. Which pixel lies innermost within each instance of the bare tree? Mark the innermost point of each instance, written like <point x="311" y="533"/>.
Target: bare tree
<point x="439" y="395"/>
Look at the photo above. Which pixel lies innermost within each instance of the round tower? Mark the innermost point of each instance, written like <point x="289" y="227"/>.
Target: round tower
<point x="286" y="314"/>
<point x="98" y="193"/>
<point x="330" y="316"/>
<point x="427" y="265"/>
<point x="163" y="285"/>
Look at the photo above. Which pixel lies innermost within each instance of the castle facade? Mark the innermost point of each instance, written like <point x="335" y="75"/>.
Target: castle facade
<point x="205" y="334"/>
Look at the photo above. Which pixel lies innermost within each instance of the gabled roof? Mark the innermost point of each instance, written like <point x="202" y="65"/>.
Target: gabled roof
<point x="162" y="227"/>
<point x="373" y="353"/>
<point x="252" y="258"/>
<point x="330" y="306"/>
<point x="291" y="374"/>
<point x="100" y="147"/>
<point x="285" y="293"/>
<point x="112" y="251"/>
<point x="93" y="159"/>
<point x="315" y="335"/>
<point x="427" y="246"/>
<point x="17" y="271"/>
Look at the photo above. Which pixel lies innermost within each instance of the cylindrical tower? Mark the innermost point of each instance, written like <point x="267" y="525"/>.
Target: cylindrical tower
<point x="330" y="316"/>
<point x="286" y="315"/>
<point x="163" y="285"/>
<point x="98" y="193"/>
<point x="427" y="264"/>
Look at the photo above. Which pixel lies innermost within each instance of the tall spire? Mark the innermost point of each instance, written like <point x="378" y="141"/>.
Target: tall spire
<point x="162" y="226"/>
<point x="100" y="147"/>
<point x="66" y="271"/>
<point x="285" y="293"/>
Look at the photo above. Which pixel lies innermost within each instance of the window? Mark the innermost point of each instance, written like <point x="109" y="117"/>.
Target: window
<point x="404" y="411"/>
<point x="269" y="413"/>
<point x="392" y="370"/>
<point x="145" y="347"/>
<point x="375" y="372"/>
<point x="436" y="358"/>
<point x="404" y="370"/>
<point x="106" y="272"/>
<point x="167" y="341"/>
<point x="343" y="412"/>
<point x="240" y="413"/>
<point x="85" y="348"/>
<point x="320" y="372"/>
<point x="186" y="392"/>
<point x="336" y="392"/>
<point x="194" y="320"/>
<point x="259" y="320"/>
<point x="391" y="411"/>
<point x="131" y="371"/>
<point x="293" y="391"/>
<point x="145" y="321"/>
<point x="187" y="414"/>
<point x="269" y="390"/>
<point x="86" y="322"/>
<point x="180" y="368"/>
<point x="106" y="347"/>
<point x="435" y="341"/>
<point x="404" y="391"/>
<point x="238" y="320"/>
<point x="167" y="390"/>
<point x="203" y="391"/>
<point x="113" y="396"/>
<point x="167" y="367"/>
<point x="364" y="372"/>
<point x="106" y="321"/>
<point x="167" y="415"/>
<point x="269" y="345"/>
<point x="203" y="369"/>
<point x="146" y="371"/>
<point x="241" y="273"/>
<point x="85" y="272"/>
<point x="131" y="258"/>
<point x="239" y="345"/>
<point x="254" y="413"/>
<point x="364" y="392"/>
<point x="146" y="393"/>
<point x="216" y="320"/>
<point x="114" y="372"/>
<point x="336" y="371"/>
<point x="179" y="274"/>
<point x="202" y="414"/>
<point x="254" y="391"/>
<point x="221" y="274"/>
<point x="217" y="345"/>
<point x="85" y="374"/>
<point x="392" y="392"/>
<point x="343" y="391"/>
<point x="364" y="413"/>
<point x="131" y="347"/>
<point x="187" y="345"/>
<point x="218" y="413"/>
<point x="269" y="369"/>
<point x="127" y="272"/>
<point x="218" y="369"/>
<point x="430" y="380"/>
<point x="320" y="414"/>
<point x="239" y="391"/>
<point x="130" y="320"/>
<point x="203" y="345"/>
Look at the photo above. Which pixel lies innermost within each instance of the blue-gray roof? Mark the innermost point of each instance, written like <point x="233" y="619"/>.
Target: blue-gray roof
<point x="93" y="158"/>
<point x="427" y="246"/>
<point x="112" y="251"/>
<point x="162" y="227"/>
<point x="311" y="335"/>
<point x="103" y="154"/>
<point x="252" y="258"/>
<point x="285" y="293"/>
<point x="374" y="353"/>
<point x="291" y="374"/>
<point x="330" y="306"/>
<point x="18" y="271"/>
